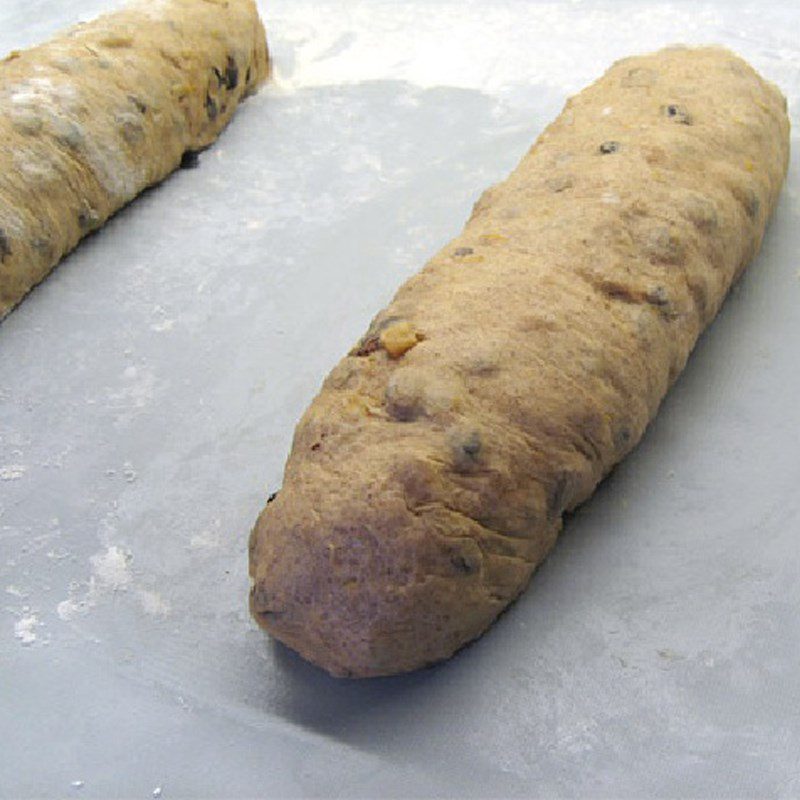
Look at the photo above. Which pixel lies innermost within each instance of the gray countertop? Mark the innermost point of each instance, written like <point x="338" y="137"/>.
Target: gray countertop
<point x="148" y="393"/>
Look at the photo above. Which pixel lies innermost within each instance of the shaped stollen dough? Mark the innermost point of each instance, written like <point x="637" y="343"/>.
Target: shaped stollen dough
<point x="430" y="475"/>
<point x="101" y="112"/>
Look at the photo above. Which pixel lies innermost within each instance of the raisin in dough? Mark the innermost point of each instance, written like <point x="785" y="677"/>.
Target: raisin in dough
<point x="93" y="117"/>
<point x="430" y="475"/>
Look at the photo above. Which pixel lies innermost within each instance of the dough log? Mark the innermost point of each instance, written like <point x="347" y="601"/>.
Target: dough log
<point x="93" y="117"/>
<point x="429" y="477"/>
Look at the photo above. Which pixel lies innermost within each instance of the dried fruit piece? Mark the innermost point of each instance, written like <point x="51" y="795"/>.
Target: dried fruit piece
<point x="398" y="338"/>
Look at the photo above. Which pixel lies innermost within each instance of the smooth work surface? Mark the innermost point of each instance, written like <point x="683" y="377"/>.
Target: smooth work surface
<point x="149" y="390"/>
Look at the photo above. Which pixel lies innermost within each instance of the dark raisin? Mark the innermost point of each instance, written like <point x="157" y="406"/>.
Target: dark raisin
<point x="463" y="564"/>
<point x="472" y="446"/>
<point x="247" y="75"/>
<point x="140" y="106"/>
<point x="271" y="497"/>
<point x="43" y="247"/>
<point x="557" y="495"/>
<point x="316" y="446"/>
<point x="5" y="246"/>
<point x="211" y="107"/>
<point x="371" y="340"/>
<point x="465" y="448"/>
<point x="622" y="438"/>
<point x="190" y="159"/>
<point x="231" y="74"/>
<point x="367" y="346"/>
<point x="609" y="147"/>
<point x="677" y="114"/>
<point x="88" y="219"/>
<point x="460" y="252"/>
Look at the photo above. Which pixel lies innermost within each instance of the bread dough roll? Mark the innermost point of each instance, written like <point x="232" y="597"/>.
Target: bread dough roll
<point x="429" y="477"/>
<point x="93" y="117"/>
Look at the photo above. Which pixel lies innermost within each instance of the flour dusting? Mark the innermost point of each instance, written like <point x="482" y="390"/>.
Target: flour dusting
<point x="153" y="603"/>
<point x="110" y="573"/>
<point x="486" y="48"/>
<point x="76" y="605"/>
<point x="137" y="391"/>
<point x="493" y="48"/>
<point x="25" y="628"/>
<point x="12" y="472"/>
<point x="111" y="568"/>
<point x="208" y="538"/>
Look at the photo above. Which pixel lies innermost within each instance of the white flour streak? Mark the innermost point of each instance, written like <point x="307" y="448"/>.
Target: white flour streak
<point x="494" y="48"/>
<point x="471" y="46"/>
<point x="25" y="629"/>
<point x="110" y="573"/>
<point x="111" y="568"/>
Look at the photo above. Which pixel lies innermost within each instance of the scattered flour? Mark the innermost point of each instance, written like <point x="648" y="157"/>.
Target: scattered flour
<point x="209" y="538"/>
<point x="60" y="104"/>
<point x="137" y="391"/>
<point x="111" y="568"/>
<point x="153" y="604"/>
<point x="12" y="472"/>
<point x="25" y="628"/>
<point x="37" y="92"/>
<point x="110" y="573"/>
<point x="163" y="325"/>
<point x="163" y="322"/>
<point x="75" y="605"/>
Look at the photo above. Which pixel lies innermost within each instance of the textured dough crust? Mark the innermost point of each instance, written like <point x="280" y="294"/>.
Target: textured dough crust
<point x="93" y="117"/>
<point x="429" y="477"/>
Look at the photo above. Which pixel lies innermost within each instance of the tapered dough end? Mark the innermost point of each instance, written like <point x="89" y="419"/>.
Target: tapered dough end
<point x="366" y="563"/>
<point x="374" y="589"/>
